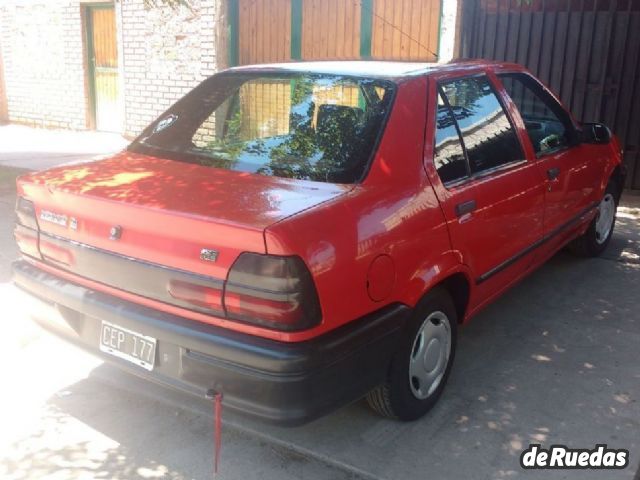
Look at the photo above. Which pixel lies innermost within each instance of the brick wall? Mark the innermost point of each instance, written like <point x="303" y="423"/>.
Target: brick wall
<point x="166" y="52"/>
<point x="43" y="62"/>
<point x="4" y="116"/>
<point x="163" y="53"/>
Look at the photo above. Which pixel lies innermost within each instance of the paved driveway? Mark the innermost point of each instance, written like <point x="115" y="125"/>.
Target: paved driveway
<point x="554" y="361"/>
<point x="37" y="149"/>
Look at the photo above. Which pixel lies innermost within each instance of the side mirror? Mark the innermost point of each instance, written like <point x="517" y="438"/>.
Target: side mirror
<point x="596" y="133"/>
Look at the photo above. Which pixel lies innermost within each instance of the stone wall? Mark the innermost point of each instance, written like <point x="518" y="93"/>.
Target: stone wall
<point x="42" y="52"/>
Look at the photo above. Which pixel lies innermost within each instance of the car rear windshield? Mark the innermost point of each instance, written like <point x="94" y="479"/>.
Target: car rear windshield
<point x="304" y="126"/>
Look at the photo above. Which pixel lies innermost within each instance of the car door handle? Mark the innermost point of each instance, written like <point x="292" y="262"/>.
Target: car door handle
<point x="553" y="173"/>
<point x="465" y="207"/>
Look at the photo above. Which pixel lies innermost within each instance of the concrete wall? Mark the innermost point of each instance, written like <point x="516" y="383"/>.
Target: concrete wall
<point x="42" y="51"/>
<point x="448" y="25"/>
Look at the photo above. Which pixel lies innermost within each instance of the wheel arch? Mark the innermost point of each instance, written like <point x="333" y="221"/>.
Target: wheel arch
<point x="618" y="175"/>
<point x="459" y="288"/>
<point x="457" y="283"/>
<point x="447" y="272"/>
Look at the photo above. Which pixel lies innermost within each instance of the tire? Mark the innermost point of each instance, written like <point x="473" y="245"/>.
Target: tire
<point x="404" y="396"/>
<point x="598" y="235"/>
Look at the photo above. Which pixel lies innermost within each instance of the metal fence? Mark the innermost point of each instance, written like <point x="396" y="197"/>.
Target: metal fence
<point x="586" y="51"/>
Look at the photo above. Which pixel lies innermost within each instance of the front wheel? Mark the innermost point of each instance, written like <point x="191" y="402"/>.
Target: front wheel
<point x="595" y="240"/>
<point x="421" y="366"/>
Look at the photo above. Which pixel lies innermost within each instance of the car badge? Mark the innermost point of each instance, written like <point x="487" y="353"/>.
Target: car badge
<point x="73" y="223"/>
<point x="52" y="217"/>
<point x="208" y="255"/>
<point x="115" y="233"/>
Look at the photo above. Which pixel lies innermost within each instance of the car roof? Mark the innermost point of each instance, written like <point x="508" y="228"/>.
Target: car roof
<point x="372" y="68"/>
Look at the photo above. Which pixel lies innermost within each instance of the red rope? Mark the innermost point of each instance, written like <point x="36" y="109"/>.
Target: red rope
<point x="217" y="415"/>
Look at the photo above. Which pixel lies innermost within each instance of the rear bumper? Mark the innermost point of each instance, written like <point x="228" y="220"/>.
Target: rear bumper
<point x="284" y="383"/>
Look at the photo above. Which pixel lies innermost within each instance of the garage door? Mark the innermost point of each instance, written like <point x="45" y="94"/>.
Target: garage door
<point x="283" y="30"/>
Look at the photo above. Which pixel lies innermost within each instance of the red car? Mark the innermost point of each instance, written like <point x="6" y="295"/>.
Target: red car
<point x="299" y="236"/>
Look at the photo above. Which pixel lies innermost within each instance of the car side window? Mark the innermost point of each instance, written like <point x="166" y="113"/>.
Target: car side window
<point x="448" y="157"/>
<point x="548" y="125"/>
<point x="487" y="134"/>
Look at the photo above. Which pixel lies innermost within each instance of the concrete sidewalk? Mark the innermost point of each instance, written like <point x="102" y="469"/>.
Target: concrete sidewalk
<point x="554" y="361"/>
<point x="38" y="149"/>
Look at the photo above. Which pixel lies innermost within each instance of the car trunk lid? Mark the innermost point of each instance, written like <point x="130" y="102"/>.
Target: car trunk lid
<point x="182" y="216"/>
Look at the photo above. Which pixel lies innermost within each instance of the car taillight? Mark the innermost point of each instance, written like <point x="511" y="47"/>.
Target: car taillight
<point x="272" y="291"/>
<point x="26" y="213"/>
<point x="26" y="230"/>
<point x="207" y="297"/>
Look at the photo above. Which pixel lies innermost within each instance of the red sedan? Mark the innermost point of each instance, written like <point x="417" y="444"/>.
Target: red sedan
<point x="299" y="236"/>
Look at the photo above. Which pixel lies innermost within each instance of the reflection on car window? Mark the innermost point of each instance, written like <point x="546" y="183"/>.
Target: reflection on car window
<point x="547" y="124"/>
<point x="303" y="126"/>
<point x="488" y="136"/>
<point x="448" y="155"/>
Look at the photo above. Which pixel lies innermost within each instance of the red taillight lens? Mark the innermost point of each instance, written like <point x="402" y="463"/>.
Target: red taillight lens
<point x="26" y="213"/>
<point x="26" y="230"/>
<point x="273" y="291"/>
<point x="201" y="296"/>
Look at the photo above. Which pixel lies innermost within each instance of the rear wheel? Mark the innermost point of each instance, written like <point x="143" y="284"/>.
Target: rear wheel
<point x="595" y="240"/>
<point x="420" y="368"/>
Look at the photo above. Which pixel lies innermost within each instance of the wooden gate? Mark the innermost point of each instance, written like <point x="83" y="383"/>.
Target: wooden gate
<point x="587" y="51"/>
<point x="418" y="35"/>
<point x="103" y="68"/>
<point x="264" y="31"/>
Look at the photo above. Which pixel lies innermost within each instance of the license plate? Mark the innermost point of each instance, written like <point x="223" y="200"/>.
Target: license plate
<point x="128" y="345"/>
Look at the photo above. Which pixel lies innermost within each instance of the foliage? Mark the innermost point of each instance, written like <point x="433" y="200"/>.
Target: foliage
<point x="174" y="4"/>
<point x="224" y="152"/>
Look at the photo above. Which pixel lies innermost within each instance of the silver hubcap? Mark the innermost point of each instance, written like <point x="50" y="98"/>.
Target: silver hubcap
<point x="605" y="218"/>
<point x="430" y="355"/>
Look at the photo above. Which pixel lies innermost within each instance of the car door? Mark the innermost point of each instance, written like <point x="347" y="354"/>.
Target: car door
<point x="571" y="173"/>
<point x="491" y="194"/>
